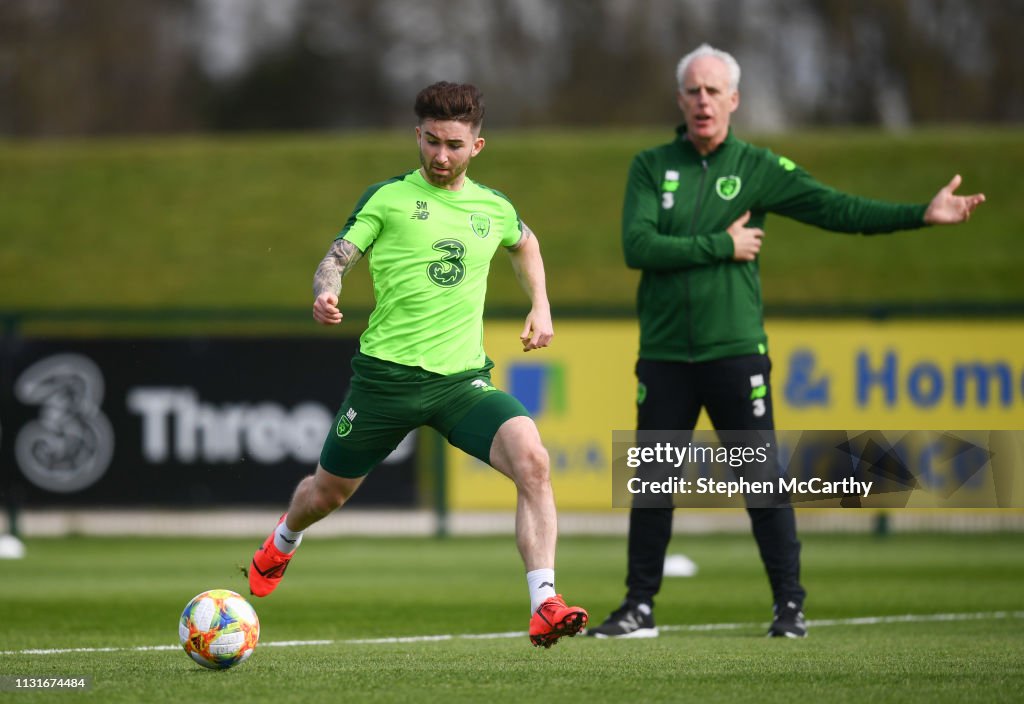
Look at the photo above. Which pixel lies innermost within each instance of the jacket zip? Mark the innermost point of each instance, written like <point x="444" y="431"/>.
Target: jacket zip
<point x="693" y="225"/>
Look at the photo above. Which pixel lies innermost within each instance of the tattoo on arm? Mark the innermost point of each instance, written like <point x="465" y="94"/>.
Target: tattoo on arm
<point x="527" y="234"/>
<point x="340" y="258"/>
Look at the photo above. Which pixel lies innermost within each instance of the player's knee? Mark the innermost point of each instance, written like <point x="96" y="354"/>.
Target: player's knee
<point x="532" y="467"/>
<point x="324" y="501"/>
<point x="329" y="493"/>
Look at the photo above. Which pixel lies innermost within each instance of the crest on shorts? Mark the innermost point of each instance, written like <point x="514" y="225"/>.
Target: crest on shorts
<point x="728" y="187"/>
<point x="481" y="224"/>
<point x="345" y="423"/>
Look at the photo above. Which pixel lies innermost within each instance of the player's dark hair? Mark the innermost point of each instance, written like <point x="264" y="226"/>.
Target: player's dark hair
<point x="462" y="102"/>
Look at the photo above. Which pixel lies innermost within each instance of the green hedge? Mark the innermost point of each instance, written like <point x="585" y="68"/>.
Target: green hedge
<point x="243" y="221"/>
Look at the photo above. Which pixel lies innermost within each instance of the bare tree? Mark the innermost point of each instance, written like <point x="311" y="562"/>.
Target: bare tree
<point x="109" y="66"/>
<point x="96" y="67"/>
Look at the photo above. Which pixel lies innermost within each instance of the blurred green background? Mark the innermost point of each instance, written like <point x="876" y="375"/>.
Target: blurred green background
<point x="241" y="222"/>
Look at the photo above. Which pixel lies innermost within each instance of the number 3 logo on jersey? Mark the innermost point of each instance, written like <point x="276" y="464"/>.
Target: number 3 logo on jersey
<point x="449" y="270"/>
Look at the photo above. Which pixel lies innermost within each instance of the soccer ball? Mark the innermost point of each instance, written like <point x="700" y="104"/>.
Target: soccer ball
<point x="219" y="629"/>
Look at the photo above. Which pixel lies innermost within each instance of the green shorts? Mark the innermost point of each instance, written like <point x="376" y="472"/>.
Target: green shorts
<point x="386" y="401"/>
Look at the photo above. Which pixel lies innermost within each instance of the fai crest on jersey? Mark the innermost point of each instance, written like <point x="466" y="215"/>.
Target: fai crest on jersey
<point x="481" y="224"/>
<point x="728" y="187"/>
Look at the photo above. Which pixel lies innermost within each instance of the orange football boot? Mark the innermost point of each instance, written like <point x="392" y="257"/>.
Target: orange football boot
<point x="553" y="619"/>
<point x="268" y="566"/>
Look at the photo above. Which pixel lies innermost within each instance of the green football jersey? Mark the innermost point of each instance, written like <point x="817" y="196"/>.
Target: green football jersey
<point x="429" y="252"/>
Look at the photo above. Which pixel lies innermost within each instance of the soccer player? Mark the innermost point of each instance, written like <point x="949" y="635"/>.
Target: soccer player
<point x="432" y="233"/>
<point x="692" y="223"/>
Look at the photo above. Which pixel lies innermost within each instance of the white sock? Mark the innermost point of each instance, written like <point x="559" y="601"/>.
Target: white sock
<point x="286" y="540"/>
<point x="542" y="586"/>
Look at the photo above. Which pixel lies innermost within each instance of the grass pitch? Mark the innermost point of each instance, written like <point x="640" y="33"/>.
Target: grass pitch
<point x="423" y="620"/>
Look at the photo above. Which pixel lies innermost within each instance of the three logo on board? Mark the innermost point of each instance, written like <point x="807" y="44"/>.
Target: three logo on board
<point x="69" y="446"/>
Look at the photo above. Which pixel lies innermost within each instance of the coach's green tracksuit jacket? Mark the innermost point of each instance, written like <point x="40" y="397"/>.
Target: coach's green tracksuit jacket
<point x="695" y="303"/>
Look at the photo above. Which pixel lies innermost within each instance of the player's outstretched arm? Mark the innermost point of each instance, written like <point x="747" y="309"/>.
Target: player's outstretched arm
<point x="947" y="208"/>
<point x="529" y="268"/>
<point x="340" y="258"/>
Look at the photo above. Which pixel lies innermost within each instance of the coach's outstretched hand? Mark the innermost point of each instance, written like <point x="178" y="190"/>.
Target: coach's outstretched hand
<point x="947" y="208"/>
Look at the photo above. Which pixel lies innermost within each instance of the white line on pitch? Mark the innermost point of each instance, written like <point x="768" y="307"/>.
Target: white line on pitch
<point x="820" y="623"/>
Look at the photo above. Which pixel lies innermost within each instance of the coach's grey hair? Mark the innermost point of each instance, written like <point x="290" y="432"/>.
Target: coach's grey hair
<point x="708" y="50"/>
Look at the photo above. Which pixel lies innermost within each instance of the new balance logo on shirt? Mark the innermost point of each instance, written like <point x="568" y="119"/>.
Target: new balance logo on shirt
<point x="421" y="211"/>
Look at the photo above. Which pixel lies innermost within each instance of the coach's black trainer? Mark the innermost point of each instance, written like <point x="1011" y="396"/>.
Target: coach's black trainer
<point x="631" y="620"/>
<point x="788" y="621"/>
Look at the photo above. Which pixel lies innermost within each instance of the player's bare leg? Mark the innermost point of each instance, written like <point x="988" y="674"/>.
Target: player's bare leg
<point x="315" y="497"/>
<point x="518" y="453"/>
